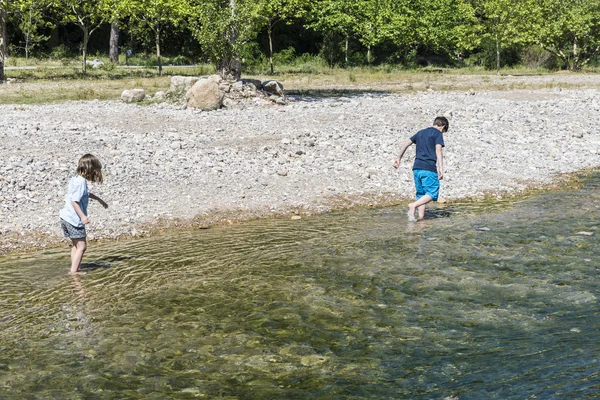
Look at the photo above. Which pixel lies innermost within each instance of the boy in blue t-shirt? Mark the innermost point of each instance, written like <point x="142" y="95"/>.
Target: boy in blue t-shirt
<point x="428" y="168"/>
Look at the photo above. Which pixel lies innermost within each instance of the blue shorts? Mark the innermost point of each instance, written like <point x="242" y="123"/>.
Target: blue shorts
<point x="426" y="183"/>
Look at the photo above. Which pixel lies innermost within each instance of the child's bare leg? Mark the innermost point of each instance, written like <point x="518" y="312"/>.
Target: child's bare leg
<point x="421" y="212"/>
<point x="77" y="251"/>
<point x="420" y="205"/>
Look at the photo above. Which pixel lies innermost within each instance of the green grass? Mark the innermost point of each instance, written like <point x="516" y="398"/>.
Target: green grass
<point x="54" y="81"/>
<point x="61" y="90"/>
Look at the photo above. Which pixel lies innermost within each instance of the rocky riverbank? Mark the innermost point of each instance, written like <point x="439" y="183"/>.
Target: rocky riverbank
<point x="165" y="166"/>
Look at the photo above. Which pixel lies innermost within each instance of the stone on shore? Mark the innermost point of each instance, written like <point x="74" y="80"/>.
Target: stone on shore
<point x="183" y="82"/>
<point x="205" y="95"/>
<point x="133" y="95"/>
<point x="273" y="87"/>
<point x="95" y="64"/>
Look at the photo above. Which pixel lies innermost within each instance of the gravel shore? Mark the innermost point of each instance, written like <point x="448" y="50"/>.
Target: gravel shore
<point x="165" y="166"/>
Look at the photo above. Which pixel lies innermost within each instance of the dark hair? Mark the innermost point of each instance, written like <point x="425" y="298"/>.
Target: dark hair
<point x="90" y="168"/>
<point x="443" y="122"/>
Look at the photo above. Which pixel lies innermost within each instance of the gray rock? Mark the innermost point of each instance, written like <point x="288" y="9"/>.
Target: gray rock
<point x="205" y="94"/>
<point x="159" y="96"/>
<point x="133" y="95"/>
<point x="183" y="82"/>
<point x="237" y="86"/>
<point x="273" y="87"/>
<point x="254" y="82"/>
<point x="95" y="64"/>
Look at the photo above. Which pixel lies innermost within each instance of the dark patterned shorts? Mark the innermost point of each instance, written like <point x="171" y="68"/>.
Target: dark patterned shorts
<point x="72" y="232"/>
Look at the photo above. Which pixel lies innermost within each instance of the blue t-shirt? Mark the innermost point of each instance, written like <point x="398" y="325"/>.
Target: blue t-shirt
<point x="426" y="140"/>
<point x="78" y="191"/>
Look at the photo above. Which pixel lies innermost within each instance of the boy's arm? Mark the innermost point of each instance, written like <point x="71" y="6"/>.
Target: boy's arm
<point x="440" y="161"/>
<point x="84" y="218"/>
<point x="98" y="199"/>
<point x="402" y="150"/>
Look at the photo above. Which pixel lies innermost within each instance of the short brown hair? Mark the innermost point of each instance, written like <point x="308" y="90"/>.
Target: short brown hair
<point x="90" y="168"/>
<point x="442" y="122"/>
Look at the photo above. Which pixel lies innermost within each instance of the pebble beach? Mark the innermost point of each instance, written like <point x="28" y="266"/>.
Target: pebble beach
<point x="166" y="167"/>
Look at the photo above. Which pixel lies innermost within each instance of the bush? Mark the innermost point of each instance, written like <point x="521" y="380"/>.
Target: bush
<point x="61" y="52"/>
<point x="357" y="58"/>
<point x="286" y="56"/>
<point x="180" y="60"/>
<point x="535" y="57"/>
<point x="108" y="66"/>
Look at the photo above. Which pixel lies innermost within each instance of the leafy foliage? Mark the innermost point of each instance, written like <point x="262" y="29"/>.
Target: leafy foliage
<point x="342" y="32"/>
<point x="570" y="30"/>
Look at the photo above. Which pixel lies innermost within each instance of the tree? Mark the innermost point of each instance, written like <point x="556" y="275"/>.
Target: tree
<point x="268" y="13"/>
<point x="88" y="16"/>
<point x="155" y="16"/>
<point x="441" y="25"/>
<point x="373" y="22"/>
<point x="223" y="28"/>
<point x="334" y="17"/>
<point x="31" y="19"/>
<point x="505" y="22"/>
<point x="368" y="21"/>
<point x="569" y="29"/>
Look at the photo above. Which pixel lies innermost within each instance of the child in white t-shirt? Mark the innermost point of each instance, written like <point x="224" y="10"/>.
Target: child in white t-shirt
<point x="73" y="216"/>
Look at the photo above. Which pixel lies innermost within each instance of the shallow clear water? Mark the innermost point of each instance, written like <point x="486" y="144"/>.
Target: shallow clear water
<point x="495" y="300"/>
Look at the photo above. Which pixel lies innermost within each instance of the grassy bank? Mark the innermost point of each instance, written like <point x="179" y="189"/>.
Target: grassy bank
<point x="46" y="81"/>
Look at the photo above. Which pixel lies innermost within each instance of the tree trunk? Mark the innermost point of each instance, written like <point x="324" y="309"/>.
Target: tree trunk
<point x="270" y="32"/>
<point x="575" y="66"/>
<point x="27" y="34"/>
<point x="234" y="30"/>
<point x="346" y="51"/>
<point x="497" y="56"/>
<point x="86" y="39"/>
<point x="369" y="54"/>
<point x="157" y="32"/>
<point x="230" y="70"/>
<point x="230" y="67"/>
<point x="115" y="33"/>
<point x="3" y="39"/>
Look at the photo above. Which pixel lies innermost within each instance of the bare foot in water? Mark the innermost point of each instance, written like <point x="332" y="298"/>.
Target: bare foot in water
<point x="77" y="272"/>
<point x="411" y="213"/>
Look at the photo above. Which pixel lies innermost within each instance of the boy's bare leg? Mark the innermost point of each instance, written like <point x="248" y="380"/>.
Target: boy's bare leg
<point x="421" y="212"/>
<point x="420" y="205"/>
<point x="77" y="251"/>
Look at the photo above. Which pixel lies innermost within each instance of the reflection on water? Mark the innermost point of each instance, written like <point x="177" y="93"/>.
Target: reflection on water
<point x="494" y="300"/>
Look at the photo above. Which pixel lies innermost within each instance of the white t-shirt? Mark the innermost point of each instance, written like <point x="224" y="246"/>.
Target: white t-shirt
<point x="78" y="191"/>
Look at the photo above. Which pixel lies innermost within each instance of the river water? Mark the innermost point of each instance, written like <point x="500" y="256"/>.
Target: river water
<point x="480" y="301"/>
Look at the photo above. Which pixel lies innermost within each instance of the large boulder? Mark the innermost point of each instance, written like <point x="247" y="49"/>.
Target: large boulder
<point x="205" y="94"/>
<point x="183" y="82"/>
<point x="133" y="95"/>
<point x="273" y="87"/>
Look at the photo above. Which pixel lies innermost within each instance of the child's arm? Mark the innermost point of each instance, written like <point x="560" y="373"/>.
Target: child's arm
<point x="84" y="218"/>
<point x="98" y="199"/>
<point x="440" y="161"/>
<point x="402" y="150"/>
